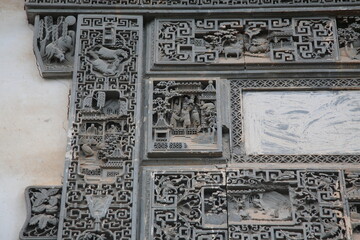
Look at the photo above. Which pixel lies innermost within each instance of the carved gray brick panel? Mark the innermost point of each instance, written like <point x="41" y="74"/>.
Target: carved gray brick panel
<point x="54" y="45"/>
<point x="185" y="205"/>
<point x="240" y="42"/>
<point x="184" y="117"/>
<point x="352" y="193"/>
<point x="43" y="209"/>
<point x="277" y="204"/>
<point x="100" y="177"/>
<point x="238" y="86"/>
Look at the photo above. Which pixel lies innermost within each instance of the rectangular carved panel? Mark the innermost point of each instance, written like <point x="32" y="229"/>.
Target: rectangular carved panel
<point x="237" y="204"/>
<point x="238" y="87"/>
<point x="100" y="180"/>
<point x="238" y="42"/>
<point x="184" y="117"/>
<point x="185" y="205"/>
<point x="302" y="122"/>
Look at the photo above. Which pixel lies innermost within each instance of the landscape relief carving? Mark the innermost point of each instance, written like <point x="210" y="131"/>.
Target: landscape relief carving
<point x="184" y="116"/>
<point x="244" y="41"/>
<point x="289" y="148"/>
<point x="234" y="125"/>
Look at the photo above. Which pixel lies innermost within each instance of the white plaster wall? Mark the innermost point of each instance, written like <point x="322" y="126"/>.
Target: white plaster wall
<point x="33" y="120"/>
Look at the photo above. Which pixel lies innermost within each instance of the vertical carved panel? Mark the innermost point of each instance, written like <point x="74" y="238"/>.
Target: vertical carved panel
<point x="100" y="181"/>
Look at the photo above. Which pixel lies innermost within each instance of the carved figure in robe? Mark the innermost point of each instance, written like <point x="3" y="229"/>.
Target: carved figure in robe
<point x="185" y="115"/>
<point x="112" y="129"/>
<point x="175" y="117"/>
<point x="92" y="130"/>
<point x="195" y="117"/>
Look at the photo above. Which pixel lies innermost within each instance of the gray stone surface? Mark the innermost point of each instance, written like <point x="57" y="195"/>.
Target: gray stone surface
<point x="302" y="122"/>
<point x="33" y="120"/>
<point x="152" y="152"/>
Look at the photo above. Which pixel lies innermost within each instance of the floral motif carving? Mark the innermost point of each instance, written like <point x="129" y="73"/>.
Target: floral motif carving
<point x="43" y="213"/>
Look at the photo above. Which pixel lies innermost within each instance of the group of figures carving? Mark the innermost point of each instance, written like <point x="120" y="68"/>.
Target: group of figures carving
<point x="184" y="115"/>
<point x="279" y="204"/>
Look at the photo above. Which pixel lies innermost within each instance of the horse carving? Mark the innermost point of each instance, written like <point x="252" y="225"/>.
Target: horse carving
<point x="108" y="61"/>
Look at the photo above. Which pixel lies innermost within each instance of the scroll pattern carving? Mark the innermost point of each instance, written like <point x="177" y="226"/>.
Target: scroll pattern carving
<point x="188" y="205"/>
<point x="43" y="205"/>
<point x="220" y="41"/>
<point x="237" y="86"/>
<point x="234" y="204"/>
<point x="99" y="185"/>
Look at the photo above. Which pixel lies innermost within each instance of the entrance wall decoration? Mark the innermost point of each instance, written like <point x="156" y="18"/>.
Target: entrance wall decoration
<point x="156" y="124"/>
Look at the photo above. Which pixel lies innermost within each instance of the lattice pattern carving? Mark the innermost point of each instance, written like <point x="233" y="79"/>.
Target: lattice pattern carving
<point x="239" y="204"/>
<point x="244" y="41"/>
<point x="99" y="185"/>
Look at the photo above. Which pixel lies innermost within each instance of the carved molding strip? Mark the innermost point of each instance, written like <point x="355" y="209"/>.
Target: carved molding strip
<point x="43" y="210"/>
<point x="100" y="183"/>
<point x="238" y="86"/>
<point x="191" y="3"/>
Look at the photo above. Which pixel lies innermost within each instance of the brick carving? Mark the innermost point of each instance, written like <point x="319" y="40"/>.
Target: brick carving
<point x="184" y="117"/>
<point x="101" y="169"/>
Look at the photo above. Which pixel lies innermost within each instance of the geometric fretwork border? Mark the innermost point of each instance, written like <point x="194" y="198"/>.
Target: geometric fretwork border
<point x="252" y="204"/>
<point x="237" y="87"/>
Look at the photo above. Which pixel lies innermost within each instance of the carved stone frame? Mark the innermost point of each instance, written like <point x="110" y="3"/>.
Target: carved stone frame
<point x="238" y="86"/>
<point x="187" y="152"/>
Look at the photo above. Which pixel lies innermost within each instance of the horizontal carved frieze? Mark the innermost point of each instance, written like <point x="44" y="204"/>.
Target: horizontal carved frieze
<point x="244" y="41"/>
<point x="231" y="203"/>
<point x="192" y="3"/>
